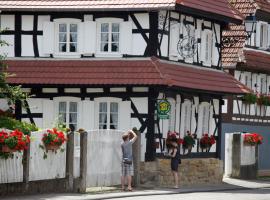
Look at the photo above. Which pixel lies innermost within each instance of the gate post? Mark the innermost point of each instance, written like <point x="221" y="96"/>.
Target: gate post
<point x="137" y="158"/>
<point x="83" y="162"/>
<point x="70" y="161"/>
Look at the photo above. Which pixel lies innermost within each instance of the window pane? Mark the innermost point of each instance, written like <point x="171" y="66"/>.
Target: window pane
<point x="62" y="111"/>
<point x="73" y="47"/>
<point x="62" y="37"/>
<point x="62" y="47"/>
<point x="115" y="47"/>
<point x="114" y="107"/>
<point x="115" y="37"/>
<point x="102" y="126"/>
<point x="103" y="107"/>
<point x="104" y="47"/>
<point x="73" y="107"/>
<point x="104" y="37"/>
<point x="72" y="117"/>
<point x="115" y="27"/>
<point x="73" y="27"/>
<point x="105" y="27"/>
<point x="102" y="118"/>
<point x="62" y="28"/>
<point x="73" y="37"/>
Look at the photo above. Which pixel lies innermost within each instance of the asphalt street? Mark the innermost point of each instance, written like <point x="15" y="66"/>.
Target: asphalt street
<point x="246" y="194"/>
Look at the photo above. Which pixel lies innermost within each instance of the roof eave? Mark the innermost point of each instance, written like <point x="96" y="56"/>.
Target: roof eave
<point x="68" y="9"/>
<point x="205" y="14"/>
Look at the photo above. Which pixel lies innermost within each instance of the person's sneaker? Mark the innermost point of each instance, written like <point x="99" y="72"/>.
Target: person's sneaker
<point x="176" y="187"/>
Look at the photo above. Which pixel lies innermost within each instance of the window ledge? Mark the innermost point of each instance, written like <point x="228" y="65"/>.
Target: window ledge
<point x="66" y="55"/>
<point x="107" y="55"/>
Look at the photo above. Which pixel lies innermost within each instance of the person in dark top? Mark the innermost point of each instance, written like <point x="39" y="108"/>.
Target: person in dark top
<point x="174" y="153"/>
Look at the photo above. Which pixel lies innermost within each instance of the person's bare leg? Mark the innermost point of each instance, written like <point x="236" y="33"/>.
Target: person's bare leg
<point x="123" y="182"/>
<point x="175" y="175"/>
<point x="129" y="182"/>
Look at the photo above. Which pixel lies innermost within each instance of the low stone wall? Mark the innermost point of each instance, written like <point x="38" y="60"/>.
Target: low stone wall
<point x="191" y="172"/>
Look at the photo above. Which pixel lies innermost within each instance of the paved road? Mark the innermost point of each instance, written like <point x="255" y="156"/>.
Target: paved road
<point x="248" y="194"/>
<point x="252" y="194"/>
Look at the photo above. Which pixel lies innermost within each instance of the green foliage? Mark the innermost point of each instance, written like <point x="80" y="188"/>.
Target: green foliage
<point x="12" y="124"/>
<point x="250" y="98"/>
<point x="11" y="93"/>
<point x="188" y="140"/>
<point x="263" y="100"/>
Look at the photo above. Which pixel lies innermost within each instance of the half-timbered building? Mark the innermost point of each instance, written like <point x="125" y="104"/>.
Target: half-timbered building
<point x="105" y="64"/>
<point x="246" y="57"/>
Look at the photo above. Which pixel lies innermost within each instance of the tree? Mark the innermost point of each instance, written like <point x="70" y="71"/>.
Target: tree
<point x="7" y="91"/>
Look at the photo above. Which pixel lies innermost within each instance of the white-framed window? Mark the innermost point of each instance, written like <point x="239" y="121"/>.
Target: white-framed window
<point x="67" y="37"/>
<point x="68" y="114"/>
<point x="264" y="35"/>
<point x="108" y="117"/>
<point x="109" y="36"/>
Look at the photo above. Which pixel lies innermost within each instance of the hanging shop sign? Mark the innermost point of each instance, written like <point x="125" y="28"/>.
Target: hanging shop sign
<point x="163" y="109"/>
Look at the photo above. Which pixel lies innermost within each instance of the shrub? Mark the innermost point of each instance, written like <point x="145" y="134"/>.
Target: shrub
<point x="13" y="124"/>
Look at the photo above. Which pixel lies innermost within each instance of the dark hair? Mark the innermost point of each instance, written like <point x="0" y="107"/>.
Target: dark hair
<point x="125" y="136"/>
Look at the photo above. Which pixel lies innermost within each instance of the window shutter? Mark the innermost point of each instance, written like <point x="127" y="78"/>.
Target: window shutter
<point x="125" y="116"/>
<point x="258" y="34"/>
<point x="203" y="46"/>
<point x="126" y="37"/>
<point x="197" y="37"/>
<point x="174" y="38"/>
<point x="89" y="37"/>
<point x="80" y="37"/>
<point x="48" y="37"/>
<point x="48" y="113"/>
<point x="268" y="36"/>
<point x="88" y="115"/>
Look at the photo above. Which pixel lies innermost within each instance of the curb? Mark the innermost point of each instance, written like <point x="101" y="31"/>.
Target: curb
<point x="154" y="193"/>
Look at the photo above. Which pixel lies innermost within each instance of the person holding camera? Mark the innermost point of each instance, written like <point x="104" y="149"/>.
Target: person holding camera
<point x="127" y="158"/>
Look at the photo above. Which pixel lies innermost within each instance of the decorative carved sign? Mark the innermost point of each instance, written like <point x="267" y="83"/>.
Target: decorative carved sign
<point x="187" y="46"/>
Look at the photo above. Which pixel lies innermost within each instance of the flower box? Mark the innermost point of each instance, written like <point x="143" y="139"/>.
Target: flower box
<point x="6" y="149"/>
<point x="252" y="139"/>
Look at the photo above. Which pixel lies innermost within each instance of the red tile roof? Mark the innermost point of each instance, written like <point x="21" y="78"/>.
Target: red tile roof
<point x="218" y="7"/>
<point x="234" y="38"/>
<point x="122" y="72"/>
<point x="256" y="60"/>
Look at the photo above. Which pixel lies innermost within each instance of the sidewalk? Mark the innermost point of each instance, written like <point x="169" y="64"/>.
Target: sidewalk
<point x="111" y="193"/>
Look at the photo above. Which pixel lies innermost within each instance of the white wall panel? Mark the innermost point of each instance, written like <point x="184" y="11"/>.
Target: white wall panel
<point x="41" y="20"/>
<point x="8" y="22"/>
<point x="143" y="20"/>
<point x="3" y="104"/>
<point x="27" y="22"/>
<point x="138" y="44"/>
<point x="27" y="45"/>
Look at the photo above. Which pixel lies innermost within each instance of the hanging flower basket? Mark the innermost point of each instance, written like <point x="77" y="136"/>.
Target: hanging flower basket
<point x="13" y="141"/>
<point x="206" y="142"/>
<point x="52" y="147"/>
<point x="6" y="149"/>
